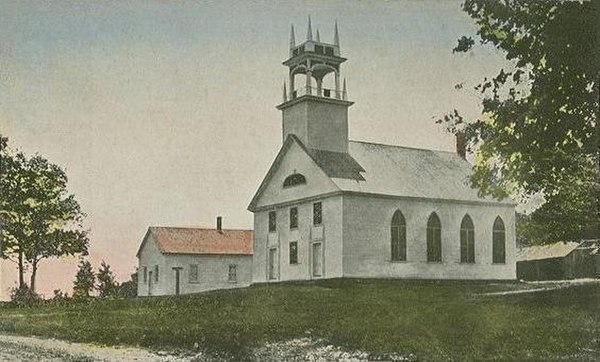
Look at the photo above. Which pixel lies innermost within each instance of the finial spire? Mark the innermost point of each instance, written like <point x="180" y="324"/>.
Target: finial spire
<point x="284" y="92"/>
<point x="318" y="36"/>
<point x="309" y="31"/>
<point x="336" y="35"/>
<point x="344" y="93"/>
<point x="292" y="38"/>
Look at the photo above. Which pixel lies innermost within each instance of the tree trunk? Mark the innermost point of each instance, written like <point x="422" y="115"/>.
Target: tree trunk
<point x="597" y="139"/>
<point x="21" y="271"/>
<point x="34" y="265"/>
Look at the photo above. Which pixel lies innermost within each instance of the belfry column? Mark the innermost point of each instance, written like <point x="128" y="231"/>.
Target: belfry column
<point x="308" y="75"/>
<point x="319" y="86"/>
<point x="337" y="85"/>
<point x="292" y="86"/>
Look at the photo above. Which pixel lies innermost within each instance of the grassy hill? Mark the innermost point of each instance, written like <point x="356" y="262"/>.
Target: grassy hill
<point x="432" y="320"/>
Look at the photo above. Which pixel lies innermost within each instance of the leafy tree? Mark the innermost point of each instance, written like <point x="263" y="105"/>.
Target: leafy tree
<point x="565" y="215"/>
<point x="39" y="218"/>
<point x="107" y="286"/>
<point x="538" y="134"/>
<point x="84" y="280"/>
<point x="128" y="289"/>
<point x="10" y="170"/>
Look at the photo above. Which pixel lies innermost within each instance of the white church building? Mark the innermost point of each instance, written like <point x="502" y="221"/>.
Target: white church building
<point x="330" y="207"/>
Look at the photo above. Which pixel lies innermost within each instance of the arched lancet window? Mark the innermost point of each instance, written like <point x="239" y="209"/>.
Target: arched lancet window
<point x="467" y="240"/>
<point x="294" y="179"/>
<point x="499" y="242"/>
<point x="434" y="238"/>
<point x="398" y="240"/>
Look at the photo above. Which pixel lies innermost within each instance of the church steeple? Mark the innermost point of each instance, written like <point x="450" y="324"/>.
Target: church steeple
<point x="315" y="113"/>
<point x="292" y="39"/>
<point x="336" y="36"/>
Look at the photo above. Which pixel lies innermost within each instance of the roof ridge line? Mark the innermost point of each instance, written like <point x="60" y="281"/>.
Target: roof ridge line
<point x="197" y="228"/>
<point x="399" y="146"/>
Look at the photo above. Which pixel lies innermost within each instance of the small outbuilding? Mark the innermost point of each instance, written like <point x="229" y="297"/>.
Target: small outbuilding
<point x="562" y="260"/>
<point x="180" y="260"/>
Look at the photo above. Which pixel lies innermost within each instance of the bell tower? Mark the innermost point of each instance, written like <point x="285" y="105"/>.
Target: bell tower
<point x="318" y="116"/>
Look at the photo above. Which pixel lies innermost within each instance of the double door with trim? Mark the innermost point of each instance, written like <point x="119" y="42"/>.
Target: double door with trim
<point x="315" y="264"/>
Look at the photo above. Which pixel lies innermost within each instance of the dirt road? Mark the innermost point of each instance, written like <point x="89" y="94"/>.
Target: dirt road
<point x="18" y="348"/>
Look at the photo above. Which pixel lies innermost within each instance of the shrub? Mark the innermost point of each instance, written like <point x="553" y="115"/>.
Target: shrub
<point x="23" y="297"/>
<point x="128" y="289"/>
<point x="60" y="297"/>
<point x="7" y="326"/>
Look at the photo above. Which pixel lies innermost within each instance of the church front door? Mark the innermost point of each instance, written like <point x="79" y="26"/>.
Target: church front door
<point x="272" y="263"/>
<point x="317" y="260"/>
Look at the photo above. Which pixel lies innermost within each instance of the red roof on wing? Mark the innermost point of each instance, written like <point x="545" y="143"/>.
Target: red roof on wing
<point x="179" y="240"/>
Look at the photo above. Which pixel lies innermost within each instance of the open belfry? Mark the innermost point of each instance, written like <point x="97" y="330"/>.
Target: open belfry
<point x="318" y="116"/>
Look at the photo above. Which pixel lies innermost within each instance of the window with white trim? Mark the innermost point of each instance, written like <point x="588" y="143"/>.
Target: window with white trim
<point x="434" y="239"/>
<point x="317" y="213"/>
<point x="272" y="221"/>
<point x="232" y="275"/>
<point x="193" y="275"/>
<point x="499" y="242"/>
<point x="293" y="218"/>
<point x="467" y="240"/>
<point x="398" y="238"/>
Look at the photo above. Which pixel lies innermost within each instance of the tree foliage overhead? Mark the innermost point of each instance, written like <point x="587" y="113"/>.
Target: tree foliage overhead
<point x="538" y="134"/>
<point x="40" y="219"/>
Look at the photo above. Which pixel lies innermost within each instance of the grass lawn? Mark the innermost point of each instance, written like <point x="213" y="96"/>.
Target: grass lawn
<point x="432" y="320"/>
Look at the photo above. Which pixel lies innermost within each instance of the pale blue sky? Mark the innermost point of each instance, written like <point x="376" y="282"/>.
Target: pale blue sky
<point x="162" y="112"/>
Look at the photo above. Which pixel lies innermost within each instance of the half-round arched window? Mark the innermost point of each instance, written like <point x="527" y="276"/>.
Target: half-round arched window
<point x="294" y="179"/>
<point x="434" y="238"/>
<point x="467" y="240"/>
<point x="499" y="242"/>
<point x="398" y="240"/>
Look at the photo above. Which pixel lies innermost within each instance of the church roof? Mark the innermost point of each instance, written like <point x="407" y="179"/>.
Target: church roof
<point x="337" y="164"/>
<point x="385" y="170"/>
<point x="410" y="172"/>
<point x="199" y="241"/>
